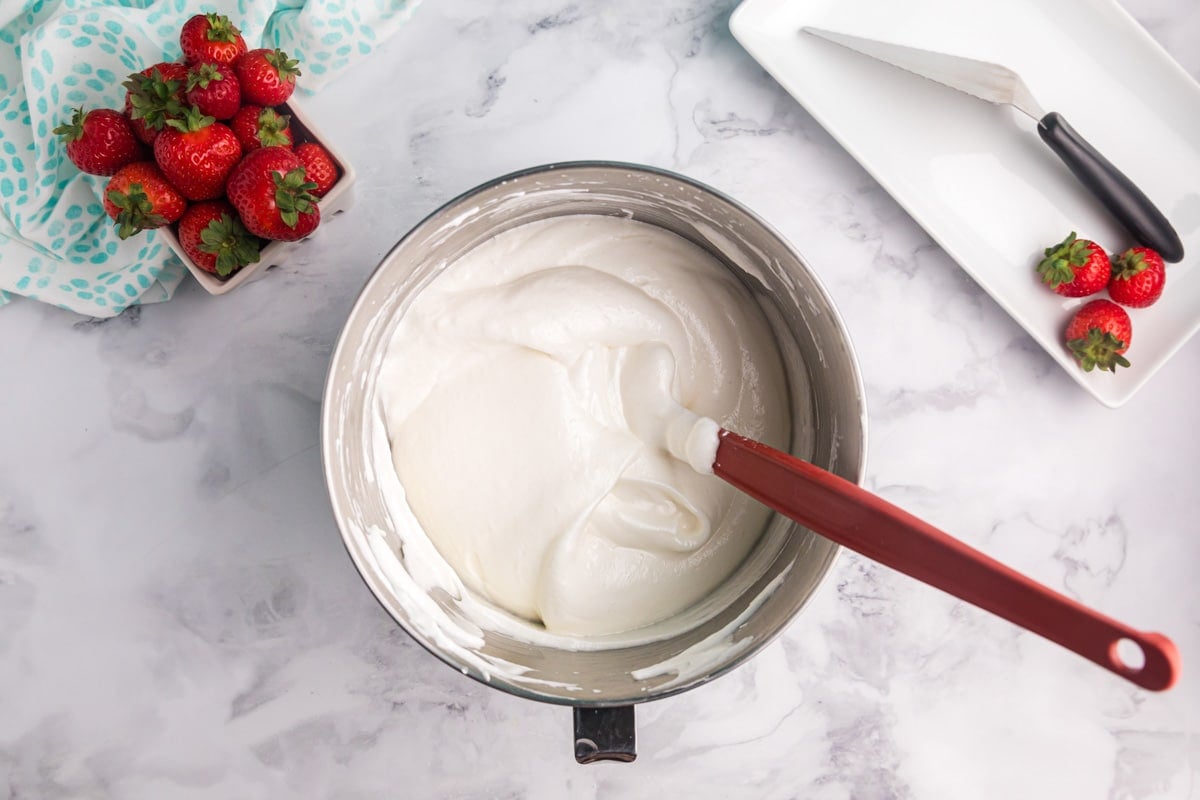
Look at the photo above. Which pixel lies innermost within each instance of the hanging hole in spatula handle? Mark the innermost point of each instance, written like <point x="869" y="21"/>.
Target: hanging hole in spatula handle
<point x="1150" y="660"/>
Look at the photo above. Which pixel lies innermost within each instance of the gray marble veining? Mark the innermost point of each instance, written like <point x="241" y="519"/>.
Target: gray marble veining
<point x="178" y="618"/>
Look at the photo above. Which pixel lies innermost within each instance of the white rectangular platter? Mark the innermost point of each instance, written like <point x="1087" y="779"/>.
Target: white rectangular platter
<point x="976" y="176"/>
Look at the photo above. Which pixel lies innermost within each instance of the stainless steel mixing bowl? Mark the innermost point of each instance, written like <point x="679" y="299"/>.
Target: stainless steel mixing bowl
<point x="787" y="564"/>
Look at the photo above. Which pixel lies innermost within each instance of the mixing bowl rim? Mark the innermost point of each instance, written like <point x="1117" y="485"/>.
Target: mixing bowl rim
<point x="327" y="437"/>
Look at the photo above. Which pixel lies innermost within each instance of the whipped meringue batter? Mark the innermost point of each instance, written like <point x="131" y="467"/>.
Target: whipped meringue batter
<point x="552" y="400"/>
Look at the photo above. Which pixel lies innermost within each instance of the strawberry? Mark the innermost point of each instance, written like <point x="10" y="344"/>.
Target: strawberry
<point x="214" y="90"/>
<point x="215" y="239"/>
<point x="319" y="167"/>
<point x="101" y="141"/>
<point x="268" y="77"/>
<point x="1098" y="335"/>
<point x="196" y="154"/>
<point x="138" y="197"/>
<point x="211" y="38"/>
<point x="1075" y="267"/>
<point x="257" y="127"/>
<point x="153" y="96"/>
<point x="273" y="196"/>
<point x="1138" y="276"/>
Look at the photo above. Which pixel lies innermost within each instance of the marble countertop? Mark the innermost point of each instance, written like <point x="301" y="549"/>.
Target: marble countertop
<point x="179" y="619"/>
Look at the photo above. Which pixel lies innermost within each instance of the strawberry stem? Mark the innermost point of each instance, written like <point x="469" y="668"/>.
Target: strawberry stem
<point x="231" y="243"/>
<point x="287" y="68"/>
<point x="154" y="99"/>
<point x="135" y="211"/>
<point x="1058" y="267"/>
<point x="293" y="195"/>
<point x="1128" y="264"/>
<point x="72" y="131"/>
<point x="192" y="120"/>
<point x="1099" y="349"/>
<point x="203" y="75"/>
<point x="220" y="28"/>
<point x="272" y="127"/>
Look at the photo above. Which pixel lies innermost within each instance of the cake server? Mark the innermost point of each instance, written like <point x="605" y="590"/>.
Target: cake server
<point x="994" y="83"/>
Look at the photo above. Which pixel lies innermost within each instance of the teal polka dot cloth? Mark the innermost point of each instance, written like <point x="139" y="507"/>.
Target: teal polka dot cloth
<point x="56" y="243"/>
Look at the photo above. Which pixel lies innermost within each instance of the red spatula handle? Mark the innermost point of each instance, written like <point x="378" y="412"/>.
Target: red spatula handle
<point x="853" y="517"/>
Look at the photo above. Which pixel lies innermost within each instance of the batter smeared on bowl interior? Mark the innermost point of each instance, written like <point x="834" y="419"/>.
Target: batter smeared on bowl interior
<point x="519" y="453"/>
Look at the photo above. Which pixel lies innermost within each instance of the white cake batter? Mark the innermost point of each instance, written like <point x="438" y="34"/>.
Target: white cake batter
<point x="529" y="393"/>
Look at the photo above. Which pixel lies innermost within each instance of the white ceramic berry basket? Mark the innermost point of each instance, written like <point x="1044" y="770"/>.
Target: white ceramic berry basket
<point x="338" y="199"/>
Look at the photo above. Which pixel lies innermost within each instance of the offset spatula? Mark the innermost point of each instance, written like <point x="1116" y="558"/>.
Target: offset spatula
<point x="998" y="84"/>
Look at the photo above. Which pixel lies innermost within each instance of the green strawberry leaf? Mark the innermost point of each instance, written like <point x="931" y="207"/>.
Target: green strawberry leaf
<point x="1098" y="350"/>
<point x="1128" y="264"/>
<point x="220" y="28"/>
<point x="192" y="120"/>
<point x="203" y="75"/>
<point x="293" y="195"/>
<point x="1058" y="267"/>
<point x="231" y="243"/>
<point x="72" y="131"/>
<point x="272" y="128"/>
<point x="118" y="199"/>
<point x="153" y="99"/>
<point x="287" y="68"/>
<point x="135" y="211"/>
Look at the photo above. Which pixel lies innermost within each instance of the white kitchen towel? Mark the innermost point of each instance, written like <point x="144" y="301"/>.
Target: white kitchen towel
<point x="56" y="243"/>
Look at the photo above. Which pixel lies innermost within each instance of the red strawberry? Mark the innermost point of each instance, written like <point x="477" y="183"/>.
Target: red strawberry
<point x="101" y="141"/>
<point x="214" y="90"/>
<point x="257" y="127"/>
<point x="212" y="38"/>
<point x="1075" y="267"/>
<point x="196" y="154"/>
<point x="215" y="239"/>
<point x="153" y="96"/>
<point x="319" y="167"/>
<point x="1138" y="277"/>
<point x="273" y="196"/>
<point x="268" y="77"/>
<point x="1098" y="334"/>
<point x="138" y="197"/>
